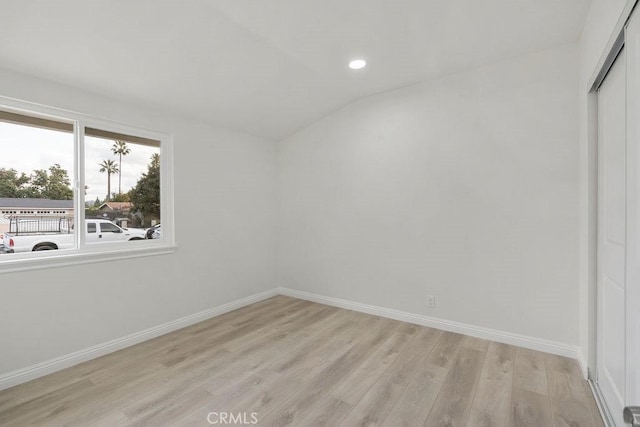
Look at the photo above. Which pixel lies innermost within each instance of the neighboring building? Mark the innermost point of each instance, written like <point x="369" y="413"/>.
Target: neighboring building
<point x="119" y="212"/>
<point x="32" y="207"/>
<point x="116" y="208"/>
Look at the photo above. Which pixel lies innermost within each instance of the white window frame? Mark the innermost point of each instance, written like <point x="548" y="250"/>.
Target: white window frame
<point x="86" y="253"/>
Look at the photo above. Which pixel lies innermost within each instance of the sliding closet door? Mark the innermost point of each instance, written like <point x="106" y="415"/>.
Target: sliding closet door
<point x="618" y="317"/>
<point x="633" y="211"/>
<point x="612" y="210"/>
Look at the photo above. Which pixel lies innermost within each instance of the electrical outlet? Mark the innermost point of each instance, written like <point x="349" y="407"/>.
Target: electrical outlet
<point x="431" y="301"/>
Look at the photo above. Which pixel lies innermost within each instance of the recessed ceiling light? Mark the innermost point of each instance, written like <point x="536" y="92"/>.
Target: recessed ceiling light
<point x="357" y="64"/>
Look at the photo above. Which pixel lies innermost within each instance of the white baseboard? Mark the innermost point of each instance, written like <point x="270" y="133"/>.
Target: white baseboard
<point x="607" y="419"/>
<point x="532" y="343"/>
<point x="48" y="367"/>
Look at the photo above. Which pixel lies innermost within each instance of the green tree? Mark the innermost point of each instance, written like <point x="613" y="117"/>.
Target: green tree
<point x="122" y="197"/>
<point x="109" y="167"/>
<point x="146" y="194"/>
<point x="13" y="185"/>
<point x="53" y="184"/>
<point x="120" y="148"/>
<point x="59" y="185"/>
<point x="38" y="182"/>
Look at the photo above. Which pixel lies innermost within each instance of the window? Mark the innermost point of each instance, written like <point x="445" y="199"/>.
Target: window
<point x="106" y="227"/>
<point x="122" y="178"/>
<point x="58" y="169"/>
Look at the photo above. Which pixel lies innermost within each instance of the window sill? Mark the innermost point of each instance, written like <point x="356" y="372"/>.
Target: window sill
<point x="65" y="258"/>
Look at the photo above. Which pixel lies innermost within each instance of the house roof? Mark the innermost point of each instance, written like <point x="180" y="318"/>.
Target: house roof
<point x="10" y="202"/>
<point x="117" y="205"/>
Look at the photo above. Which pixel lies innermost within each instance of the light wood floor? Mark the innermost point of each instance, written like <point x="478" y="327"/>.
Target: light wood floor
<point x="293" y="362"/>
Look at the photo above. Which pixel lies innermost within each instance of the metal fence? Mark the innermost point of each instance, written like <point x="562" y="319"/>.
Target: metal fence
<point x="40" y="224"/>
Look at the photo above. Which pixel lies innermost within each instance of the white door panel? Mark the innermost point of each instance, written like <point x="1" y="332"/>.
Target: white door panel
<point x="613" y="332"/>
<point x="632" y="37"/>
<point x="109" y="232"/>
<point x="613" y="262"/>
<point x="91" y="233"/>
<point x="614" y="157"/>
<point x="611" y="376"/>
<point x="618" y="317"/>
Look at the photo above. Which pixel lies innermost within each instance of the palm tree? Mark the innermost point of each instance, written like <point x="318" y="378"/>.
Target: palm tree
<point x="110" y="167"/>
<point x="120" y="148"/>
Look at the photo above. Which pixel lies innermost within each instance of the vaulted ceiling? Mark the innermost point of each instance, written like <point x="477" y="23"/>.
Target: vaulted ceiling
<point x="268" y="67"/>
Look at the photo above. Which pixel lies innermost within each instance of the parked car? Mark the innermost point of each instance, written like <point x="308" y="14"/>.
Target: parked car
<point x="3" y="250"/>
<point x="97" y="231"/>
<point x="154" y="232"/>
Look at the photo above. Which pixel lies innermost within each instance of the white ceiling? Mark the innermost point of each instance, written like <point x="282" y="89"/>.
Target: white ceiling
<point x="268" y="67"/>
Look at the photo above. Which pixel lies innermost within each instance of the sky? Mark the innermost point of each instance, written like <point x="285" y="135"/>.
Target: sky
<point x="25" y="148"/>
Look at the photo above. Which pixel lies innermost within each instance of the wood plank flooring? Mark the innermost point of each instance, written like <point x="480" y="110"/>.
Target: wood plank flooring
<point x="291" y="362"/>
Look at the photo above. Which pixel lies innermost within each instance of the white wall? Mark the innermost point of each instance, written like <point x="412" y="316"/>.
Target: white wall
<point x="225" y="223"/>
<point x="598" y="30"/>
<point x="465" y="188"/>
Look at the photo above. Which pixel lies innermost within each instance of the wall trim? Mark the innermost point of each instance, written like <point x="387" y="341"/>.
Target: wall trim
<point x="532" y="343"/>
<point x="50" y="366"/>
<point x="607" y="419"/>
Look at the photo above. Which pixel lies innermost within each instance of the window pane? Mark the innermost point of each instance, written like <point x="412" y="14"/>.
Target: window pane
<point x="91" y="227"/>
<point x="122" y="183"/>
<point x="106" y="227"/>
<point x="36" y="171"/>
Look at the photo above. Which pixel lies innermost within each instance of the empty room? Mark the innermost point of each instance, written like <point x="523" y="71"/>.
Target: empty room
<point x="320" y="213"/>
